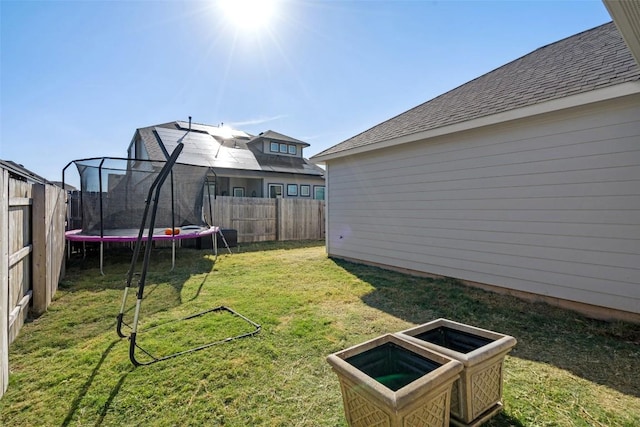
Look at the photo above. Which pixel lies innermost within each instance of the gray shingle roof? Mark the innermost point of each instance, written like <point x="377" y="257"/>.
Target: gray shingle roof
<point x="203" y="149"/>
<point x="589" y="60"/>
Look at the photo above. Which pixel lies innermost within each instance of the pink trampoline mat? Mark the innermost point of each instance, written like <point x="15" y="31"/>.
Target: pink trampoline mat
<point x="131" y="234"/>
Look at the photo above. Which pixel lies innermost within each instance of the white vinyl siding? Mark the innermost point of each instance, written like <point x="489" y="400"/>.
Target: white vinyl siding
<point x="548" y="205"/>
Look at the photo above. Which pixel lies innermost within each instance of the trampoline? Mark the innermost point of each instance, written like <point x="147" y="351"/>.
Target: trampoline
<point x="111" y="203"/>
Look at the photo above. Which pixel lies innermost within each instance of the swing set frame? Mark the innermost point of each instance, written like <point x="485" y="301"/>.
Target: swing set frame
<point x="151" y="207"/>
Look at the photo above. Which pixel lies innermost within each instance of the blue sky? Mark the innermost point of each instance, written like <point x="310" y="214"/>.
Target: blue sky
<point x="78" y="77"/>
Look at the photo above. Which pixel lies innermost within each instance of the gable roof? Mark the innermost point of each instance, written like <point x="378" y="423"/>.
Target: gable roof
<point x="277" y="137"/>
<point x="590" y="60"/>
<point x="204" y="146"/>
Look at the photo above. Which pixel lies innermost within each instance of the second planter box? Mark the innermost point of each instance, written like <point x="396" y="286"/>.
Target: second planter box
<point x="477" y="395"/>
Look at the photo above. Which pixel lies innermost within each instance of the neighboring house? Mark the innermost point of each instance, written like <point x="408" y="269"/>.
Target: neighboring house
<point x="266" y="165"/>
<point x="20" y="173"/>
<point x="525" y="180"/>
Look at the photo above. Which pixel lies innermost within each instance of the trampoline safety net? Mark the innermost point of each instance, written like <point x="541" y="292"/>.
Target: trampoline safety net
<point x="114" y="191"/>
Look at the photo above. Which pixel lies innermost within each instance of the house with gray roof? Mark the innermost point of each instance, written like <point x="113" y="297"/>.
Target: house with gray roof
<point x="525" y="180"/>
<point x="266" y="165"/>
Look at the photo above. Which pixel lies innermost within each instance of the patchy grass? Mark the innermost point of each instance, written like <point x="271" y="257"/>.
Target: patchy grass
<point x="68" y="367"/>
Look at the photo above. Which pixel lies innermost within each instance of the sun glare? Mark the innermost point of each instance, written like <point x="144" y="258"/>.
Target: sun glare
<point x="248" y="15"/>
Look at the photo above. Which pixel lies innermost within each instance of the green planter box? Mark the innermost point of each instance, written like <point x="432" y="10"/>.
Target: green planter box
<point x="389" y="381"/>
<point x="477" y="395"/>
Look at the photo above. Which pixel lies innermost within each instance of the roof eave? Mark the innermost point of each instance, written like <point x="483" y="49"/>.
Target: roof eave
<point x="572" y="101"/>
<point x="626" y="16"/>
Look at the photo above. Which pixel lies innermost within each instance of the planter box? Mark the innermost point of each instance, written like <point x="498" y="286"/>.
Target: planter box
<point x="389" y="381"/>
<point x="477" y="395"/>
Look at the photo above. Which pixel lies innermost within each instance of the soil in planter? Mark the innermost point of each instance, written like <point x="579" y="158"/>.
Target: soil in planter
<point x="453" y="339"/>
<point x="392" y="366"/>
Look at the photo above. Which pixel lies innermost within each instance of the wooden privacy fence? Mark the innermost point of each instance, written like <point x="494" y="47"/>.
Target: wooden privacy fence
<point x="32" y="242"/>
<point x="255" y="219"/>
<point x="258" y="219"/>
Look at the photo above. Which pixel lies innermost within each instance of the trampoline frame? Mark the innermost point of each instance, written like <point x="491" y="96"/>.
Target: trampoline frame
<point x="213" y="231"/>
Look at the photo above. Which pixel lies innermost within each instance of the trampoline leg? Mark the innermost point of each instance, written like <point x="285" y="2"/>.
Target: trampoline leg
<point x="101" y="257"/>
<point x="214" y="236"/>
<point x="173" y="254"/>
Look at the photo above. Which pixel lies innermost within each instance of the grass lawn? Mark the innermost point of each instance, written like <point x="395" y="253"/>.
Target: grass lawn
<point x="69" y="367"/>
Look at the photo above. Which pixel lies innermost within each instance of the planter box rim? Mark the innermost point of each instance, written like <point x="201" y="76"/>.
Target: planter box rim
<point x="446" y="373"/>
<point x="500" y="344"/>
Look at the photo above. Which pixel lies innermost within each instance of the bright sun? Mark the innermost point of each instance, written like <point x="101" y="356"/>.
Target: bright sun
<point x="248" y="14"/>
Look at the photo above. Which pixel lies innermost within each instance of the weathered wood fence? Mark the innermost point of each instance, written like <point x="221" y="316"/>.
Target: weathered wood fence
<point x="32" y="242"/>
<point x="258" y="219"/>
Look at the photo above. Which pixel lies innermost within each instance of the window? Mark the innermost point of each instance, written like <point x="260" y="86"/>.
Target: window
<point x="138" y="149"/>
<point x="281" y="147"/>
<point x="275" y="190"/>
<point x="238" y="191"/>
<point x="138" y="152"/>
<point x="210" y="189"/>
<point x="305" y="190"/>
<point x="318" y="192"/>
<point x="292" y="189"/>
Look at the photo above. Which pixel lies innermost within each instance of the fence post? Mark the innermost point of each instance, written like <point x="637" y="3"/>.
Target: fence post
<point x="39" y="241"/>
<point x="278" y="217"/>
<point x="4" y="284"/>
<point x="55" y="213"/>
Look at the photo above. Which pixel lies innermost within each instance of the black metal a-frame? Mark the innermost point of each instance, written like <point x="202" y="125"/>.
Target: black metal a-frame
<point x="153" y="196"/>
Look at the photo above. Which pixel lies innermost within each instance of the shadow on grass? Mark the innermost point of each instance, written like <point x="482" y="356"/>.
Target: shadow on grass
<point x="87" y="303"/>
<point x="503" y="420"/>
<point x="84" y="273"/>
<point x="87" y="385"/>
<point x="112" y="395"/>
<point x="601" y="352"/>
